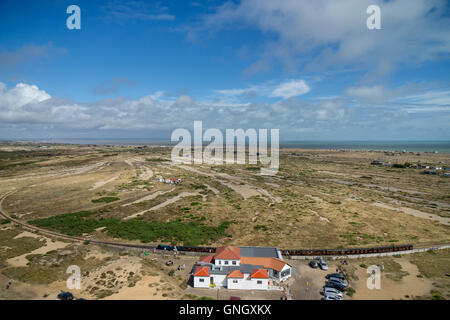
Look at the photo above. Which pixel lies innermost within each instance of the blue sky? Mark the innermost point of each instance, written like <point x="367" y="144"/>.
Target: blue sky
<point x="140" y="69"/>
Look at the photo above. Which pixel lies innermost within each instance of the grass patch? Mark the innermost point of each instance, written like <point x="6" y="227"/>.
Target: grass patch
<point x="105" y="200"/>
<point x="432" y="264"/>
<point x="350" y="291"/>
<point x="72" y="224"/>
<point x="260" y="227"/>
<point x="192" y="233"/>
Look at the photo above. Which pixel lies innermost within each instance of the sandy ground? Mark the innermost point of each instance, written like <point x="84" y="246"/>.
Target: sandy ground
<point x="149" y="197"/>
<point x="142" y="290"/>
<point x="236" y="184"/>
<point x="146" y="174"/>
<point x="102" y="183"/>
<point x="416" y="213"/>
<point x="50" y="245"/>
<point x="214" y="190"/>
<point x="162" y="205"/>
<point x="410" y="285"/>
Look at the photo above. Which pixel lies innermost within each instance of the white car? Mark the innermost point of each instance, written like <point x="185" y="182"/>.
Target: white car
<point x="328" y="290"/>
<point x="323" y="264"/>
<point x="331" y="296"/>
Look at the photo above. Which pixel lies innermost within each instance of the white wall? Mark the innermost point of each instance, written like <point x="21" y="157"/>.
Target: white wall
<point x="247" y="284"/>
<point x="286" y="267"/>
<point x="198" y="284"/>
<point x="220" y="280"/>
<point x="220" y="262"/>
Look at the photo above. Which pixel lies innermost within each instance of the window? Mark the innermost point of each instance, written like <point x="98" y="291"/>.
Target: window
<point x="234" y="262"/>
<point x="220" y="262"/>
<point x="235" y="281"/>
<point x="201" y="280"/>
<point x="226" y="262"/>
<point x="259" y="282"/>
<point x="285" y="273"/>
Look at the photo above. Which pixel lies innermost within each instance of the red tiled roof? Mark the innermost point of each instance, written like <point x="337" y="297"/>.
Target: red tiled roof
<point x="207" y="259"/>
<point x="260" y="274"/>
<point x="201" y="272"/>
<point x="235" y="274"/>
<point x="228" y="253"/>
<point x="270" y="263"/>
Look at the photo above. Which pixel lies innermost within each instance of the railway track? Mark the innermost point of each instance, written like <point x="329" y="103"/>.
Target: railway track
<point x="286" y="252"/>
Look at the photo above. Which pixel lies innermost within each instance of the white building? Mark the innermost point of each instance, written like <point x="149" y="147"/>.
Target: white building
<point x="170" y="180"/>
<point x="248" y="268"/>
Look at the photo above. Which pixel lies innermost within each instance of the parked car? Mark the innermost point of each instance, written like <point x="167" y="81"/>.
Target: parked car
<point x="323" y="265"/>
<point x="313" y="264"/>
<point x="332" y="279"/>
<point x="332" y="290"/>
<point x="335" y="275"/>
<point x="333" y="296"/>
<point x="234" y="298"/>
<point x="169" y="263"/>
<point x="335" y="285"/>
<point x="65" y="296"/>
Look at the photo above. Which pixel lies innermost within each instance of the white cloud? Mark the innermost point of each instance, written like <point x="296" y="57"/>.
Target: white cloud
<point x="21" y="95"/>
<point x="290" y="89"/>
<point x="286" y="89"/>
<point x="328" y="33"/>
<point x="26" y="107"/>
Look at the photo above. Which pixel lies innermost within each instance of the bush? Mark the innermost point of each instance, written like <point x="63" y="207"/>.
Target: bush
<point x="77" y="223"/>
<point x="105" y="200"/>
<point x="72" y="224"/>
<point x="350" y="291"/>
<point x="260" y="227"/>
<point x="5" y="221"/>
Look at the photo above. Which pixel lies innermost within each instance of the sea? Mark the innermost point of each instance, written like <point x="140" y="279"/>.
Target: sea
<point x="439" y="146"/>
<point x="409" y="146"/>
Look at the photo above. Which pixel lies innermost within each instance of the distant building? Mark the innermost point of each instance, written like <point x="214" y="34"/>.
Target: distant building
<point x="170" y="180"/>
<point x="246" y="268"/>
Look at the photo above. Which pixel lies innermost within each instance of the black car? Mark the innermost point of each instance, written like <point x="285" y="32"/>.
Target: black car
<point x="335" y="285"/>
<point x="335" y="275"/>
<point x="313" y="264"/>
<point x="65" y="296"/>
